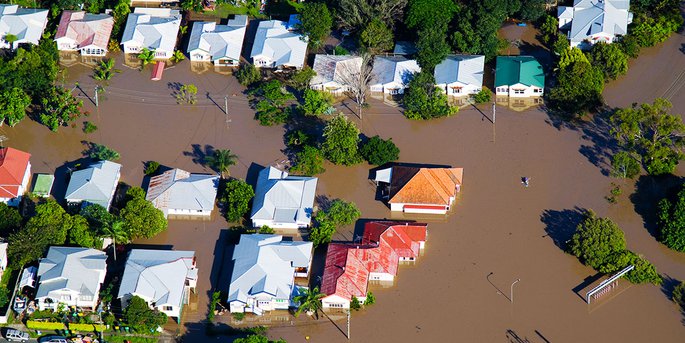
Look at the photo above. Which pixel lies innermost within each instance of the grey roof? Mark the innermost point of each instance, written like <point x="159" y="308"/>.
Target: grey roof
<point x="219" y="41"/>
<point x="404" y="48"/>
<point x="76" y="269"/>
<point x="596" y="16"/>
<point x="334" y="68"/>
<point x="158" y="275"/>
<point x="275" y="41"/>
<point x="465" y="69"/>
<point x="25" y="23"/>
<point x="95" y="184"/>
<point x="180" y="190"/>
<point x="387" y="69"/>
<point x="153" y="28"/>
<point x="284" y="198"/>
<point x="266" y="264"/>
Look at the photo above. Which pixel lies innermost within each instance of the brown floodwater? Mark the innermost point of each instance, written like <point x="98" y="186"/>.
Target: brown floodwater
<point x="498" y="232"/>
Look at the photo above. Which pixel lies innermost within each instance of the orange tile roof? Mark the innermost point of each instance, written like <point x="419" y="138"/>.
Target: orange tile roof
<point x="427" y="186"/>
<point x="13" y="165"/>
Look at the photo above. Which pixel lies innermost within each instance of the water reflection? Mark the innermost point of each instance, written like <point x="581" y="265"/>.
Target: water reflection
<point x="518" y="104"/>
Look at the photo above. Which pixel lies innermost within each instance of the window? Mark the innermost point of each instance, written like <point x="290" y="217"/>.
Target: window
<point x="280" y="300"/>
<point x="336" y="305"/>
<point x="537" y="90"/>
<point x="501" y="89"/>
<point x="519" y="91"/>
<point x="66" y="297"/>
<point x="167" y="308"/>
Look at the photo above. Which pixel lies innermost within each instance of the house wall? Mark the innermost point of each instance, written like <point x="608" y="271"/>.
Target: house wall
<point x="465" y="90"/>
<point x="169" y="309"/>
<point x="335" y="301"/>
<point x="381" y="277"/>
<point x="68" y="298"/>
<point x="400" y="207"/>
<point x="66" y="44"/>
<point x="199" y="56"/>
<point x="278" y="225"/>
<point x="202" y="213"/>
<point x="22" y="189"/>
<point x="514" y="91"/>
<point x="263" y="62"/>
<point x="228" y="62"/>
<point x="330" y="87"/>
<point x="92" y="50"/>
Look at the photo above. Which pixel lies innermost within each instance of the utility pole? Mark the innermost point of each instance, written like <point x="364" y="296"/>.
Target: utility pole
<point x="494" y="115"/>
<point x="348" y="324"/>
<point x="226" y="105"/>
<point x="96" y="97"/>
<point x="511" y="290"/>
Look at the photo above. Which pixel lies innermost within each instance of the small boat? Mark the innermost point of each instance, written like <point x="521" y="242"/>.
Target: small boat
<point x="19" y="305"/>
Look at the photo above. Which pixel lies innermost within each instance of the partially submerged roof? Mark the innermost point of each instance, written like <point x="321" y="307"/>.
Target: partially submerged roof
<point x="403" y="237"/>
<point x="13" y="166"/>
<point x="525" y="70"/>
<point x="266" y="264"/>
<point x="465" y="69"/>
<point x="591" y="17"/>
<point x="181" y="190"/>
<point x="85" y="28"/>
<point x="75" y="269"/>
<point x="25" y="23"/>
<point x="95" y="184"/>
<point x="275" y="41"/>
<point x="219" y="41"/>
<point x="345" y="273"/>
<point x="413" y="185"/>
<point x="335" y="68"/>
<point x="397" y="69"/>
<point x="283" y="198"/>
<point x="153" y="28"/>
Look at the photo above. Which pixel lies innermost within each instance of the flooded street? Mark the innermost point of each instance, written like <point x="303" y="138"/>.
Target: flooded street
<point x="499" y="231"/>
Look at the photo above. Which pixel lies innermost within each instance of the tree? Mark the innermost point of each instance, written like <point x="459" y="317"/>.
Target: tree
<point x="221" y="161"/>
<point x="256" y="338"/>
<point x="309" y="300"/>
<point x="235" y="199"/>
<point x="298" y="138"/>
<point x="679" y="295"/>
<point x="141" y="318"/>
<point x="81" y="234"/>
<point x="315" y="22"/>
<point x="376" y="37"/>
<point x="10" y="39"/>
<point x="578" y="90"/>
<point x="187" y="94"/>
<point x="629" y="45"/>
<point x="117" y="233"/>
<point x="247" y="74"/>
<point x="370" y="299"/>
<point x="192" y="5"/>
<point x="477" y="23"/>
<point x="13" y="105"/>
<point x="322" y="233"/>
<point x="378" y="151"/>
<point x="651" y="132"/>
<point x="178" y="56"/>
<point x="610" y="59"/>
<point x="59" y="108"/>
<point x="422" y="100"/>
<point x="270" y="98"/>
<point x="643" y="270"/>
<point x="151" y="167"/>
<point x="97" y="216"/>
<point x="105" y="70"/>
<point x="146" y="56"/>
<point x="101" y="152"/>
<point x="10" y="220"/>
<point x="355" y="304"/>
<point x="650" y="31"/>
<point x="427" y="14"/>
<point x="483" y="96"/>
<point x="300" y="79"/>
<point x="309" y="161"/>
<point x="316" y="102"/>
<point x="531" y="10"/>
<point x="141" y="218"/>
<point x="624" y="165"/>
<point x="340" y="212"/>
<point x="432" y="47"/>
<point x="671" y="221"/>
<point x="341" y="140"/>
<point x="571" y="56"/>
<point x="356" y="78"/>
<point x="549" y="29"/>
<point x="355" y="14"/>
<point x="596" y="239"/>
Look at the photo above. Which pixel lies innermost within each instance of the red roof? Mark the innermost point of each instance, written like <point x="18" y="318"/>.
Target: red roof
<point x="345" y="274"/>
<point x="13" y="165"/>
<point x="403" y="237"/>
<point x="94" y="29"/>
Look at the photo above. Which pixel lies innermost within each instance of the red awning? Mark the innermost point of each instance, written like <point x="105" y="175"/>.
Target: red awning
<point x="157" y="71"/>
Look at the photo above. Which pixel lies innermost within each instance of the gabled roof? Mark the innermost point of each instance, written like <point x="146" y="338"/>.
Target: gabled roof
<point x="283" y="198"/>
<point x="158" y="276"/>
<point x="424" y="185"/>
<point x="525" y="70"/>
<point x="345" y="273"/>
<point x="219" y="41"/>
<point x="275" y="41"/>
<point x="591" y="17"/>
<point x="180" y="190"/>
<point x="95" y="184"/>
<point x="25" y="23"/>
<point x="266" y="264"/>
<point x="13" y="165"/>
<point x="85" y="28"/>
<point x="335" y="68"/>
<point x="75" y="269"/>
<point x="152" y="28"/>
<point x="403" y="237"/>
<point x="465" y="69"/>
<point x="389" y="69"/>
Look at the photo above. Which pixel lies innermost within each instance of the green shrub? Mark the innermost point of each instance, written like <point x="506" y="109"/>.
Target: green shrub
<point x="247" y="74"/>
<point x="370" y="299"/>
<point x="378" y="151"/>
<point x="679" y="295"/>
<point x="485" y="95"/>
<point x="339" y="50"/>
<point x="238" y="316"/>
<point x="89" y="127"/>
<point x="151" y="167"/>
<point x="87" y="327"/>
<point x="48" y="326"/>
<point x="355" y="304"/>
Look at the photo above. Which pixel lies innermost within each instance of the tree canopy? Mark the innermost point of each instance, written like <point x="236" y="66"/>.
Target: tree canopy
<point x="579" y="85"/>
<point x="341" y="141"/>
<point x="309" y="161"/>
<point x="596" y="239"/>
<point x="355" y="14"/>
<point x="315" y="22"/>
<point x="10" y="220"/>
<point x="376" y="37"/>
<point x="378" y="151"/>
<point x="235" y="198"/>
<point x="141" y="318"/>
<point x="610" y="58"/>
<point x="13" y="105"/>
<point x="422" y="100"/>
<point x="316" y="102"/>
<point x="671" y="221"/>
<point x="141" y="218"/>
<point x="339" y="213"/>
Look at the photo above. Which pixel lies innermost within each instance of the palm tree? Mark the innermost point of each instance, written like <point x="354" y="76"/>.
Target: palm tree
<point x="177" y="56"/>
<point x="105" y="70"/>
<point x="10" y="39"/>
<point x="146" y="56"/>
<point x="116" y="232"/>
<point x="183" y="29"/>
<point x="309" y="300"/>
<point x="221" y="160"/>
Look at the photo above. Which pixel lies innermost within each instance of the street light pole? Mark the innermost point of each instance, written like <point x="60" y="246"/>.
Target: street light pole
<point x="511" y="290"/>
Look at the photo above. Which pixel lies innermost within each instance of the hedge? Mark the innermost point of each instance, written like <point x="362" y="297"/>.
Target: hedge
<point x="86" y="327"/>
<point x="132" y="339"/>
<point x="31" y="324"/>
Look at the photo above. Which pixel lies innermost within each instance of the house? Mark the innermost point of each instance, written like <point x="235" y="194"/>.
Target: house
<point x="277" y="47"/>
<point x="70" y="276"/>
<point x="152" y="28"/>
<point x="15" y="173"/>
<point x="25" y="24"/>
<point x="282" y="201"/>
<point x="519" y="77"/>
<point x="178" y="192"/>
<point x="334" y="73"/>
<point x="391" y="74"/>
<point x="163" y="278"/>
<point x="84" y="32"/>
<point x="420" y="190"/>
<point x="350" y="267"/>
<point x="265" y="267"/>
<point x="592" y="21"/>
<point x="3" y="258"/>
<point x="220" y="44"/>
<point x="94" y="185"/>
<point x="460" y="75"/>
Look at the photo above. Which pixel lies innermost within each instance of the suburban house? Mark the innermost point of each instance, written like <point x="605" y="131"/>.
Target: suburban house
<point x="15" y="173"/>
<point x="94" y="185"/>
<point x="282" y="201"/>
<point x="519" y="77"/>
<point x="178" y="192"/>
<point x="152" y="28"/>
<point x="25" y="24"/>
<point x="70" y="276"/>
<point x="84" y="32"/>
<point x="420" y="190"/>
<point x="460" y="75"/>
<point x="220" y="44"/>
<point x="163" y="278"/>
<point x="350" y="267"/>
<point x="276" y="47"/>
<point x="593" y="21"/>
<point x="264" y="272"/>
<point x="3" y="258"/>
<point x="334" y="73"/>
<point x="391" y="74"/>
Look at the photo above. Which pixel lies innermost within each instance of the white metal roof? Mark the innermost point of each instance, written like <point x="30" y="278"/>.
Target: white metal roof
<point x="152" y="28"/>
<point x="179" y="190"/>
<point x="393" y="69"/>
<point x="335" y="68"/>
<point x="273" y="40"/>
<point x="597" y="16"/>
<point x="219" y="41"/>
<point x="76" y="269"/>
<point x="466" y="69"/>
<point x="284" y="198"/>
<point x="25" y="23"/>
<point x="95" y="184"/>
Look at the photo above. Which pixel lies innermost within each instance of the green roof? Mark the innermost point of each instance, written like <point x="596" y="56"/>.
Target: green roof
<point x="43" y="184"/>
<point x="519" y="69"/>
